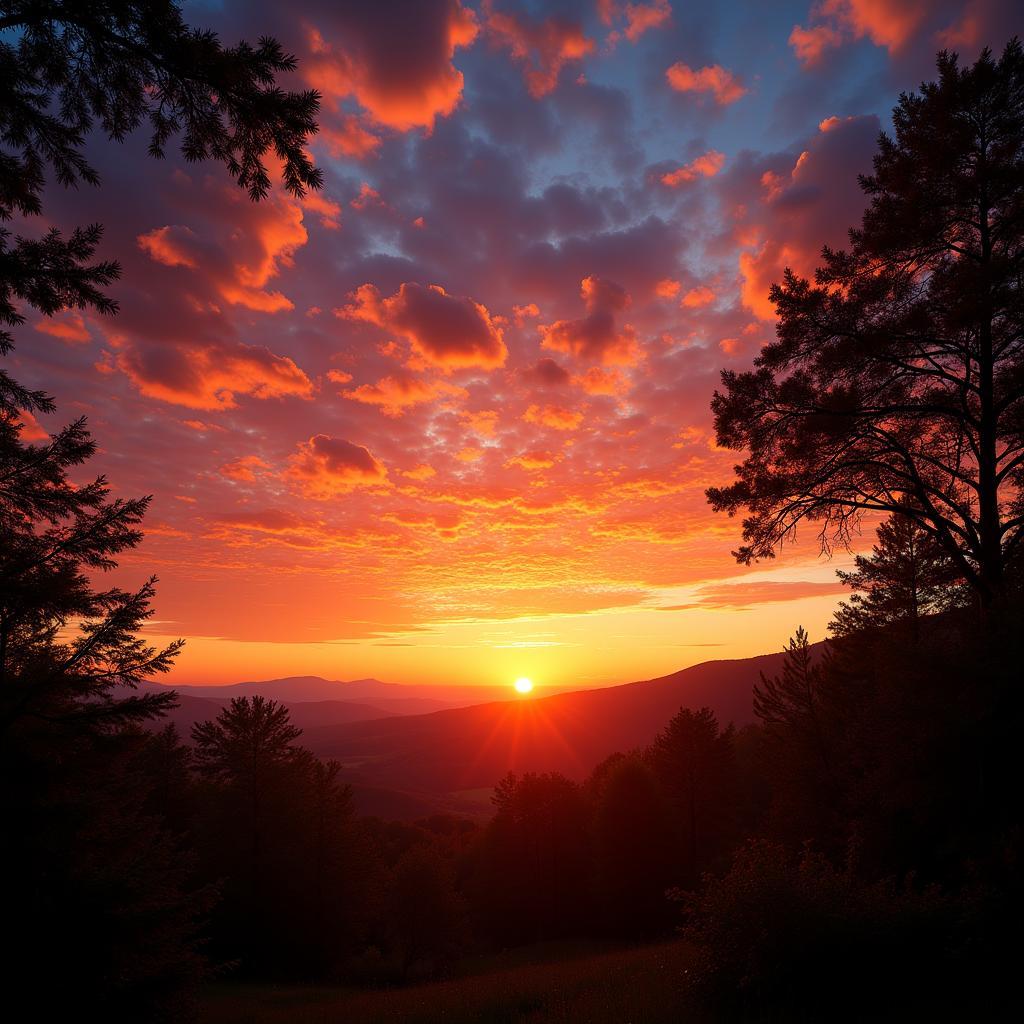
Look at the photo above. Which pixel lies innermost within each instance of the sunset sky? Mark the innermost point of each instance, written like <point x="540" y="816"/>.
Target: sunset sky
<point x="447" y="420"/>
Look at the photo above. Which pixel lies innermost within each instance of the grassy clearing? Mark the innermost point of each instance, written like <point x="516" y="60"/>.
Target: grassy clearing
<point x="633" y="986"/>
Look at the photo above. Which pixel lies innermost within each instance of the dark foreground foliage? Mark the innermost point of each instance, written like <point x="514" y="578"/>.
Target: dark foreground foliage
<point x="857" y="853"/>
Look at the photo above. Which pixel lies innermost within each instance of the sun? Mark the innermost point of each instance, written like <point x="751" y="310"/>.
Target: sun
<point x="523" y="685"/>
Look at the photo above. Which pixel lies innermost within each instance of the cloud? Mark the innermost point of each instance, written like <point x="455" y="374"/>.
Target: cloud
<point x="325" y="466"/>
<point x="448" y="331"/>
<point x="637" y="18"/>
<point x="67" y="326"/>
<point x="887" y="23"/>
<point x="240" y="257"/>
<point x="705" y="166"/>
<point x="397" y="393"/>
<point x="347" y="135"/>
<point x="745" y="594"/>
<point x="806" y="201"/>
<point x="811" y="44"/>
<point x="546" y="373"/>
<point x="244" y="469"/>
<point x="543" y="47"/>
<point x="397" y="65"/>
<point x="715" y="80"/>
<point x="697" y="298"/>
<point x="534" y="460"/>
<point x="265" y="521"/>
<point x="556" y="417"/>
<point x="597" y="335"/>
<point x="599" y="381"/>
<point x="210" y="376"/>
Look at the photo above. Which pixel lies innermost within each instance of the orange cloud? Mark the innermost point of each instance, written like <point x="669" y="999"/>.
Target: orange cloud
<point x="556" y="417"/>
<point x="599" y="381"/>
<point x="667" y="288"/>
<point x="639" y="18"/>
<point x="544" y="47"/>
<point x="31" y="428"/>
<point x="759" y="270"/>
<point x="420" y="472"/>
<point x="367" y="197"/>
<point x="447" y="331"/>
<point x="811" y="44"/>
<point x="705" y="166"/>
<point x="402" y="75"/>
<point x="266" y="521"/>
<point x="696" y="298"/>
<point x="244" y="469"/>
<point x="887" y="23"/>
<point x="210" y="377"/>
<point x="325" y="466"/>
<point x="329" y="211"/>
<point x="596" y="335"/>
<point x="272" y="232"/>
<point x="532" y="461"/>
<point x="348" y="136"/>
<point x="395" y="394"/>
<point x="714" y="79"/>
<point x="743" y="595"/>
<point x="484" y="422"/>
<point x="66" y="326"/>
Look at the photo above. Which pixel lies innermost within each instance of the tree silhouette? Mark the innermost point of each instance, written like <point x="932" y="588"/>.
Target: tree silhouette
<point x="792" y="703"/>
<point x="635" y="849"/>
<point x="250" y="749"/>
<point x="907" y="576"/>
<point x="55" y="536"/>
<point x="101" y="888"/>
<point x="694" y="760"/>
<point x="115" y="65"/>
<point x="896" y="383"/>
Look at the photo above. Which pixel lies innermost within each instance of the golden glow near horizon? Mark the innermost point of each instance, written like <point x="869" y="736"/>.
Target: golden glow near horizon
<point x="523" y="685"/>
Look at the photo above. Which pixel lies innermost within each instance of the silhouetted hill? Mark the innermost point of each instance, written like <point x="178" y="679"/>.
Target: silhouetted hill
<point x="453" y="751"/>
<point x="391" y="698"/>
<point x="305" y="714"/>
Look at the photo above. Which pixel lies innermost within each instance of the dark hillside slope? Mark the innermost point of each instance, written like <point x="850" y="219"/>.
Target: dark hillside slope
<point x="471" y="748"/>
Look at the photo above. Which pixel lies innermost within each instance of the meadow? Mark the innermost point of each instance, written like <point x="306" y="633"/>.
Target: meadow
<point x="540" y="985"/>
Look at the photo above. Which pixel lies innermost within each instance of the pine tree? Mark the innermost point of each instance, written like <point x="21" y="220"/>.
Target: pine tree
<point x="897" y="374"/>
<point x="695" y="761"/>
<point x="907" y="577"/>
<point x="792" y="702"/>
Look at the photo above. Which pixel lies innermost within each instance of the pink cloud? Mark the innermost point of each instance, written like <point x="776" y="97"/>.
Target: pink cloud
<point x="705" y="166"/>
<point x="542" y="47"/>
<point x="395" y="394"/>
<point x="326" y="466"/>
<point x="715" y="80"/>
<point x="210" y="376"/>
<point x="402" y="75"/>
<point x="597" y="335"/>
<point x="448" y="331"/>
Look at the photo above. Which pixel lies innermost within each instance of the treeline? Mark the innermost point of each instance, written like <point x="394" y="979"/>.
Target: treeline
<point x="863" y="837"/>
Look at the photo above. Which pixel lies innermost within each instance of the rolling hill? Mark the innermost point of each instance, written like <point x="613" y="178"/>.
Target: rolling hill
<point x="450" y="754"/>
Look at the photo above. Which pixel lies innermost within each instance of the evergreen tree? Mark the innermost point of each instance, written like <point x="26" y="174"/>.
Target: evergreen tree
<point x="635" y="849"/>
<point x="907" y="577"/>
<point x="791" y="704"/>
<point x="895" y="382"/>
<point x="695" y="761"/>
<point x="95" y="884"/>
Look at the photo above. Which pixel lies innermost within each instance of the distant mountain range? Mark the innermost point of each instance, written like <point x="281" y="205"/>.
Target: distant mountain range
<point x="470" y="748"/>
<point x="408" y="751"/>
<point x="315" y="701"/>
